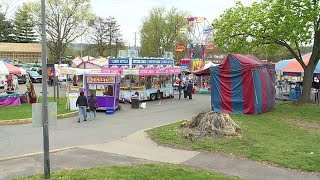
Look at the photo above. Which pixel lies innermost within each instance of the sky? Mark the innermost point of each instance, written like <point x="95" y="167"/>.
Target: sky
<point x="130" y="13"/>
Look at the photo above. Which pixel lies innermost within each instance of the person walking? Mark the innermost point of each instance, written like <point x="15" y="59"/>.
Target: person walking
<point x="93" y="105"/>
<point x="83" y="104"/>
<point x="180" y="89"/>
<point x="189" y="89"/>
<point x="184" y="87"/>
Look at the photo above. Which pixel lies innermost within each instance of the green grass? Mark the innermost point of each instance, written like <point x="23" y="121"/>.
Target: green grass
<point x="285" y="136"/>
<point x="25" y="110"/>
<point x="152" y="171"/>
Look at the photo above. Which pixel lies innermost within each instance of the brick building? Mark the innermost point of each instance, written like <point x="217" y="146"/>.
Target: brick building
<point x="24" y="52"/>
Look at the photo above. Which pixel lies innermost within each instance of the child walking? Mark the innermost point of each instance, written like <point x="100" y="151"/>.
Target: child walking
<point x="93" y="105"/>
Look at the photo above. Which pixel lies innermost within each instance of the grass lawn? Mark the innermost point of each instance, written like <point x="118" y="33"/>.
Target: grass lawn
<point x="286" y="136"/>
<point x="25" y="110"/>
<point x="152" y="171"/>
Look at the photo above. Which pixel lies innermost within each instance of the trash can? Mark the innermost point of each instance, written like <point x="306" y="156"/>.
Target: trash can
<point x="135" y="102"/>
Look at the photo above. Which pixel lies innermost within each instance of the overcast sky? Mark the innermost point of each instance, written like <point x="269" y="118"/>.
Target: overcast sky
<point x="130" y="13"/>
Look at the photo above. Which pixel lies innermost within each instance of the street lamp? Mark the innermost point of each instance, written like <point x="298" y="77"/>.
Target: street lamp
<point x="160" y="51"/>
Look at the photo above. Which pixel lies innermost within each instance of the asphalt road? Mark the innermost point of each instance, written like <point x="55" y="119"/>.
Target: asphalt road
<point x="38" y="88"/>
<point x="21" y="139"/>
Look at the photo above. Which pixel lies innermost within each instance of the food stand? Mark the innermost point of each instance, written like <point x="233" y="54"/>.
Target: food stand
<point x="91" y="81"/>
<point x="9" y="96"/>
<point x="147" y="78"/>
<point x="146" y="83"/>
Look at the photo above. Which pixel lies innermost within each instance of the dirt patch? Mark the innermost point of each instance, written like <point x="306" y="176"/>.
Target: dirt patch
<point x="305" y="125"/>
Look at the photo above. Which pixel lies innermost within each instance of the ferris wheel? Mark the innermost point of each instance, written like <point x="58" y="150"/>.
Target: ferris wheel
<point x="193" y="37"/>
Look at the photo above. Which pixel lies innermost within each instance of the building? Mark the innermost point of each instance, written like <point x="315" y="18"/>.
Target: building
<point x="24" y="52"/>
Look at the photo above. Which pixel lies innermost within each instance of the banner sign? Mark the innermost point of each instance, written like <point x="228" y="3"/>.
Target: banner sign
<point x="157" y="71"/>
<point x="101" y="79"/>
<point x="112" y="70"/>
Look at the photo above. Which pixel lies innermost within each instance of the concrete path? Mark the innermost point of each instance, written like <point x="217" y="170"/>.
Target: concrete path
<point x="139" y="149"/>
<point x="23" y="139"/>
<point x="75" y="158"/>
<point x="138" y="145"/>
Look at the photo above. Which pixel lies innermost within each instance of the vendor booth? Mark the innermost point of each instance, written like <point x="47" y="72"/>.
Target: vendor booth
<point x="105" y="86"/>
<point x="146" y="78"/>
<point x="290" y="76"/>
<point x="146" y="83"/>
<point x="242" y="85"/>
<point x="204" y="74"/>
<point x="9" y="96"/>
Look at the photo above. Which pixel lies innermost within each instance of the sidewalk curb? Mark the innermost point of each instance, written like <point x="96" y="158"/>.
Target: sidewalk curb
<point x="29" y="120"/>
<point x="34" y="154"/>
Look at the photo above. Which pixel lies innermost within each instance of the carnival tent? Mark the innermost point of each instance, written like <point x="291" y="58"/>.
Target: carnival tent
<point x="243" y="85"/>
<point x="8" y="69"/>
<point x="292" y="67"/>
<point x="282" y="64"/>
<point x="205" y="70"/>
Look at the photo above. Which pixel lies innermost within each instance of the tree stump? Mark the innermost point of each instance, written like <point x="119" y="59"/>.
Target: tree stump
<point x="210" y="124"/>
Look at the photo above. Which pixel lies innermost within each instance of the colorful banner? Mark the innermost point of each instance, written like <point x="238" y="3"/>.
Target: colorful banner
<point x="156" y="71"/>
<point x="112" y="70"/>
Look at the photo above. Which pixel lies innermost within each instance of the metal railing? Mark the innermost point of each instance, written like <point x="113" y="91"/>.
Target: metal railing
<point x="285" y="95"/>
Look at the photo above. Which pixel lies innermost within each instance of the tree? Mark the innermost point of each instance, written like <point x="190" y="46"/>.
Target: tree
<point x="66" y="21"/>
<point x="113" y="33"/>
<point x="160" y="29"/>
<point x="287" y="23"/>
<point x="105" y="34"/>
<point x="99" y="35"/>
<point x="6" y="29"/>
<point x="24" y="25"/>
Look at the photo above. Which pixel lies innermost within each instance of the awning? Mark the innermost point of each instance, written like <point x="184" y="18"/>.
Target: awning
<point x="8" y="69"/>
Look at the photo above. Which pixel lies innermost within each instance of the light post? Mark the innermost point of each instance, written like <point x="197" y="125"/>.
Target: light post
<point x="160" y="52"/>
<point x="44" y="94"/>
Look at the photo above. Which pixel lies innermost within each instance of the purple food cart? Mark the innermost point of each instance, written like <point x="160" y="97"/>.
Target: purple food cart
<point x="106" y="89"/>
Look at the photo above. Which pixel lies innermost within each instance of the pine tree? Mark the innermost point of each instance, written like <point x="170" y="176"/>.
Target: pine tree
<point x="24" y="25"/>
<point x="5" y="29"/>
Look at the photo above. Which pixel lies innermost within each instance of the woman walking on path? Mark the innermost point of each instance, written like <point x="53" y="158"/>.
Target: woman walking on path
<point x="93" y="106"/>
<point x="180" y="89"/>
<point x="83" y="104"/>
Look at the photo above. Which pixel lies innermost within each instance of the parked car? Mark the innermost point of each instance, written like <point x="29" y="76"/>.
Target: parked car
<point x="35" y="76"/>
<point x="22" y="79"/>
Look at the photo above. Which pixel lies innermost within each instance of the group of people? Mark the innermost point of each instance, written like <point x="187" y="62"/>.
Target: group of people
<point x="187" y="88"/>
<point x="12" y="86"/>
<point x="82" y="103"/>
<point x="10" y="82"/>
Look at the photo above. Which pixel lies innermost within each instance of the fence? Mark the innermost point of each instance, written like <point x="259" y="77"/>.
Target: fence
<point x="284" y="94"/>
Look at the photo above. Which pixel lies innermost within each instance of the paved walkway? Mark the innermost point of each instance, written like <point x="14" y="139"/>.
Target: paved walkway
<point x="23" y="139"/>
<point x="139" y="149"/>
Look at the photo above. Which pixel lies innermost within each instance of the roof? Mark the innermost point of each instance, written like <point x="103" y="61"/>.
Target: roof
<point x="295" y="66"/>
<point x="20" y="47"/>
<point x="282" y="64"/>
<point x="236" y="62"/>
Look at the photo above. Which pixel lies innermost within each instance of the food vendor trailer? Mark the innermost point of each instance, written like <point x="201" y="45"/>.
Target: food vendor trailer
<point x="105" y="87"/>
<point x="146" y="83"/>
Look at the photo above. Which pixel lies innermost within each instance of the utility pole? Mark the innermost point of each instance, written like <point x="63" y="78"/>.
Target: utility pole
<point x="44" y="93"/>
<point x="135" y="40"/>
